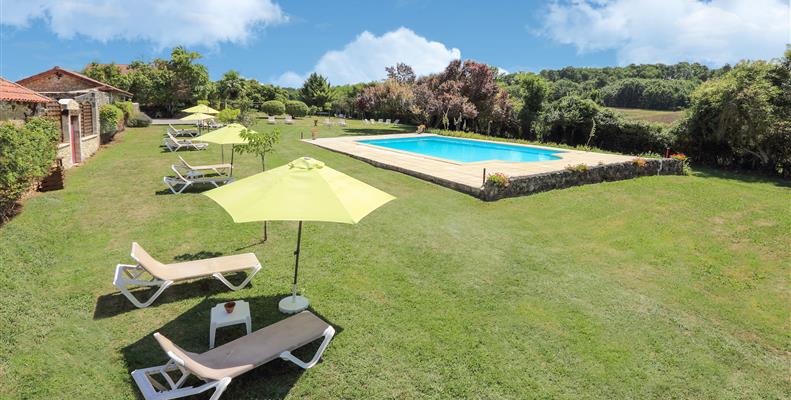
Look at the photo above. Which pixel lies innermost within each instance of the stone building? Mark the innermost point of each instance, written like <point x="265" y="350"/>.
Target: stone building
<point x="18" y="103"/>
<point x="79" y="99"/>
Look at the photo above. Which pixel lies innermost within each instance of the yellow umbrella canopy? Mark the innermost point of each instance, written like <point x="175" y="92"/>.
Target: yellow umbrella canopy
<point x="228" y="134"/>
<point x="303" y="190"/>
<point x="197" y="117"/>
<point x="201" y="108"/>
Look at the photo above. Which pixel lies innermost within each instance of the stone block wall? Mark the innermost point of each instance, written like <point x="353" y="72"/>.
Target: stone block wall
<point x="526" y="185"/>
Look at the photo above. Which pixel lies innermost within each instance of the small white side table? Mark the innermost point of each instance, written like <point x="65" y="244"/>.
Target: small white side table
<point x="220" y="318"/>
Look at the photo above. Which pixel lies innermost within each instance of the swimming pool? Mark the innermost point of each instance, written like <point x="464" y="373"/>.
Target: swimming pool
<point x="465" y="150"/>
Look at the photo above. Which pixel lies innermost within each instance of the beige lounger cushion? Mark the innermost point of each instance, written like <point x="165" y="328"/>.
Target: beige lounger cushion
<point x="241" y="355"/>
<point x="193" y="269"/>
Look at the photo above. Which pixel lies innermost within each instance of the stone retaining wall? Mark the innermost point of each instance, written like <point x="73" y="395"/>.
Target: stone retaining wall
<point x="526" y="185"/>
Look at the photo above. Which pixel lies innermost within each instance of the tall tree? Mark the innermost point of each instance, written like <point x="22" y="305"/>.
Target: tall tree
<point x="232" y="88"/>
<point x="316" y="91"/>
<point x="401" y="73"/>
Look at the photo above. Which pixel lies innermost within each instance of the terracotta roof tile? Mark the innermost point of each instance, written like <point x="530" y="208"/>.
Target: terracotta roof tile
<point x="10" y="91"/>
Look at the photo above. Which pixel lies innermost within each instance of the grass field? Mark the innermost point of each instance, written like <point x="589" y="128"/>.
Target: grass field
<point x="662" y="117"/>
<point x="658" y="287"/>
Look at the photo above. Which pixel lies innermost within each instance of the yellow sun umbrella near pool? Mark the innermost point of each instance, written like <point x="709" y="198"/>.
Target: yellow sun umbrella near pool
<point x="197" y="117"/>
<point x="228" y="134"/>
<point x="303" y="190"/>
<point x="201" y="108"/>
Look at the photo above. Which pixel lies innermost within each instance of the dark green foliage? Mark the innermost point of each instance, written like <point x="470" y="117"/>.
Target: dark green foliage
<point x="26" y="154"/>
<point x="532" y="91"/>
<point x="273" y="107"/>
<point x="654" y="94"/>
<point x="563" y="88"/>
<point x="742" y="119"/>
<point x="139" y="120"/>
<point x="316" y="91"/>
<point x="296" y="108"/>
<point x="109" y="118"/>
<point x="576" y="121"/>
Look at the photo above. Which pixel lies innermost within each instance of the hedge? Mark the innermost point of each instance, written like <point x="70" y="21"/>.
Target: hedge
<point x="296" y="108"/>
<point x="109" y="117"/>
<point x="273" y="107"/>
<point x="26" y="155"/>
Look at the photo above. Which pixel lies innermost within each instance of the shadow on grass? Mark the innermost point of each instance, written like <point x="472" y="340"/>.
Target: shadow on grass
<point x="190" y="331"/>
<point x="742" y="176"/>
<point x="110" y="305"/>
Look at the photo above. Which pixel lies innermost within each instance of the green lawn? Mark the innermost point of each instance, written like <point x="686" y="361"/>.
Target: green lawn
<point x="637" y="114"/>
<point x="658" y="287"/>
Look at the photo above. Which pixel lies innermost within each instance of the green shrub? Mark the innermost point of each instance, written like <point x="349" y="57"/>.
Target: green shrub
<point x="296" y="108"/>
<point x="576" y="168"/>
<point x="203" y="102"/>
<point x="126" y="107"/>
<point x="273" y="107"/>
<point x="139" y="120"/>
<point x="26" y="154"/>
<point x="498" y="179"/>
<point x="742" y="119"/>
<point x="228" y="115"/>
<point x="109" y="117"/>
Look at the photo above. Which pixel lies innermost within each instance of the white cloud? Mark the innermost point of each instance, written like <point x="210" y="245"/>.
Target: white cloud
<point x="365" y="58"/>
<point x="649" y="31"/>
<point x="162" y="22"/>
<point x="289" y="79"/>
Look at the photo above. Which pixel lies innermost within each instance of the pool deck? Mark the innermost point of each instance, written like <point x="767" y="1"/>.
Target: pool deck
<point x="465" y="177"/>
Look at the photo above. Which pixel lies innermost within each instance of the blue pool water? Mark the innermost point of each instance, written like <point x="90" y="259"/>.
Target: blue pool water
<point x="464" y="150"/>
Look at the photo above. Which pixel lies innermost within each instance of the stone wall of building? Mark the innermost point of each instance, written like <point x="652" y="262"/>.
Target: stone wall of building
<point x="526" y="185"/>
<point x="90" y="145"/>
<point x="64" y="153"/>
<point x="51" y="82"/>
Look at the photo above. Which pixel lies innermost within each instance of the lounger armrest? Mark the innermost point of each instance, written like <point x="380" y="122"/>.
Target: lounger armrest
<point x="328" y="334"/>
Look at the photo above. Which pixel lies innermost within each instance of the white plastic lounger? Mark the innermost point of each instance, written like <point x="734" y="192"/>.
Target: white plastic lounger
<point x="218" y="366"/>
<point x="174" y="144"/>
<point x="396" y="122"/>
<point x="387" y="121"/>
<point x="380" y="121"/>
<point x="164" y="275"/>
<point x="194" y="171"/>
<point x="271" y="120"/>
<point x="182" y="132"/>
<point x="289" y="120"/>
<point x="180" y="182"/>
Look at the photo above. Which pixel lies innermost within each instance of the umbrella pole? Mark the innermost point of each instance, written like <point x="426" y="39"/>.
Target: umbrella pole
<point x="222" y="154"/>
<point x="232" y="160"/>
<point x="296" y="262"/>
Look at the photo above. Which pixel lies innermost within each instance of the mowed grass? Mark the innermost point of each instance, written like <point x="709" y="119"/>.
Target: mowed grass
<point x="637" y="114"/>
<point x="658" y="287"/>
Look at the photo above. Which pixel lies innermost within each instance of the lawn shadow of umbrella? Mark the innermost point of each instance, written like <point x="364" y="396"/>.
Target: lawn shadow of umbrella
<point x="189" y="331"/>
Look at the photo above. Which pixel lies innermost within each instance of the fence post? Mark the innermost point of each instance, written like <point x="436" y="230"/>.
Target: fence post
<point x="484" y="176"/>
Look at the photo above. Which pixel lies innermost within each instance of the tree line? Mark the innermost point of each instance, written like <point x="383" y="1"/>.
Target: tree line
<point x="735" y="116"/>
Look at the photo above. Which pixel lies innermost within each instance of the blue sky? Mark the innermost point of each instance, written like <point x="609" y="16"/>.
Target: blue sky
<point x="349" y="41"/>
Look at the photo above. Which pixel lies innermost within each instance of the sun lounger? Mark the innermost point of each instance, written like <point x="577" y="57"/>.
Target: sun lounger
<point x="327" y="122"/>
<point x="396" y="122"/>
<point x="289" y="120"/>
<point x="218" y="366"/>
<point x="194" y="171"/>
<point x="387" y="121"/>
<point x="174" y="144"/>
<point x="182" y="132"/>
<point x="164" y="275"/>
<point x="181" y="182"/>
<point x="271" y="120"/>
<point x="380" y="121"/>
<point x="342" y="122"/>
